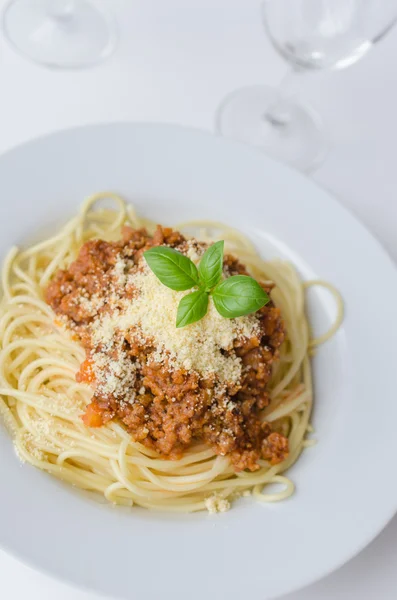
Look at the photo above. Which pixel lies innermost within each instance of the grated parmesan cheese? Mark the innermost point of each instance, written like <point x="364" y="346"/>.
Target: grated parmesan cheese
<point x="195" y="250"/>
<point x="115" y="376"/>
<point x="216" y="504"/>
<point x="205" y="347"/>
<point x="119" y="270"/>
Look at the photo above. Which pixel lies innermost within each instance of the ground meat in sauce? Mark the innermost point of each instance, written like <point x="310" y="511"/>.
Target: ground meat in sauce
<point x="172" y="407"/>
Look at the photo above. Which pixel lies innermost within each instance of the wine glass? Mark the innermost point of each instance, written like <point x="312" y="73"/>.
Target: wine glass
<point x="311" y="35"/>
<point x="60" y="33"/>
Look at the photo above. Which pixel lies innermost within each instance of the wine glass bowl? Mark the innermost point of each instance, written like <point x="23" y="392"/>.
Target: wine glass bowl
<point x="312" y="34"/>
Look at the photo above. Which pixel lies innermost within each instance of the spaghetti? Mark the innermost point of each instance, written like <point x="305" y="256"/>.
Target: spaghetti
<point x="42" y="403"/>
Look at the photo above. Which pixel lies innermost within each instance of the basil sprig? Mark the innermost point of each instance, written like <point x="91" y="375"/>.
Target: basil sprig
<point x="211" y="266"/>
<point x="238" y="295"/>
<point x="174" y="270"/>
<point x="192" y="308"/>
<point x="233" y="297"/>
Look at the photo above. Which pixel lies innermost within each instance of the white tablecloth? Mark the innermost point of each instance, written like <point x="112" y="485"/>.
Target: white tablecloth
<point x="175" y="61"/>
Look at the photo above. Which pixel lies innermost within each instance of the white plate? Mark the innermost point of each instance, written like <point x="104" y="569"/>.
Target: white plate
<point x="346" y="485"/>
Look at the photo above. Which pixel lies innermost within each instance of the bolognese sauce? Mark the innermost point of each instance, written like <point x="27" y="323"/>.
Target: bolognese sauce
<point x="169" y="388"/>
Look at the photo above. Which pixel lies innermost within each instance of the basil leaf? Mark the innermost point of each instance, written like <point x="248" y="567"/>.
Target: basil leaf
<point x="211" y="264"/>
<point x="174" y="270"/>
<point x="239" y="295"/>
<point x="192" y="308"/>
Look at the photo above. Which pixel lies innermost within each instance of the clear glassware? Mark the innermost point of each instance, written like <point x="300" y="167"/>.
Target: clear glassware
<point x="311" y="35"/>
<point x="60" y="33"/>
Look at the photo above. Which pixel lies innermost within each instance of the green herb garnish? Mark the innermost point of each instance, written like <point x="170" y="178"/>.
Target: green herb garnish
<point x="174" y="270"/>
<point x="238" y="295"/>
<point x="211" y="265"/>
<point x="192" y="308"/>
<point x="233" y="297"/>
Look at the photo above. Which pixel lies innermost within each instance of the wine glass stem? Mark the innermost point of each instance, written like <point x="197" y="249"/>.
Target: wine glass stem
<point x="62" y="10"/>
<point x="278" y="113"/>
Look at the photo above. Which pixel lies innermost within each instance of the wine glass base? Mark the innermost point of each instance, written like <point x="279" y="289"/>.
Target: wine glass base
<point x="296" y="138"/>
<point x="79" y="36"/>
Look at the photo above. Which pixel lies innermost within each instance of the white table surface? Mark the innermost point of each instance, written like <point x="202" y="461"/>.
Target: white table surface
<point x="175" y="62"/>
